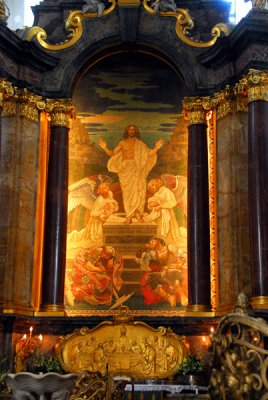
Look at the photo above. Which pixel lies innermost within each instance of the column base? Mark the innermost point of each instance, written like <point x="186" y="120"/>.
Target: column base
<point x="54" y="310"/>
<point x="259" y="302"/>
<point x="199" y="310"/>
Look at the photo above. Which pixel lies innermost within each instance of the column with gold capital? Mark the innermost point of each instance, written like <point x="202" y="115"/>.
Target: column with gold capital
<point x="198" y="206"/>
<point x="56" y="209"/>
<point x="255" y="87"/>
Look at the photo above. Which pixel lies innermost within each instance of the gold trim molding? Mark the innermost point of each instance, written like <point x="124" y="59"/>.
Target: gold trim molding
<point x="184" y="24"/>
<point x="73" y="26"/>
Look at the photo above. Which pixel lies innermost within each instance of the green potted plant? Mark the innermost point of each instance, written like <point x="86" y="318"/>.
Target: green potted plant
<point x="45" y="364"/>
<point x="191" y="370"/>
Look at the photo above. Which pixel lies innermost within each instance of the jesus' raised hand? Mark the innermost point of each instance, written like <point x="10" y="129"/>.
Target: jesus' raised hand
<point x="159" y="143"/>
<point x="102" y="143"/>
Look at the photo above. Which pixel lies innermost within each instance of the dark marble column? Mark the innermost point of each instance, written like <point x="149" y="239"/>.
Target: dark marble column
<point x="56" y="215"/>
<point x="258" y="199"/>
<point x="198" y="214"/>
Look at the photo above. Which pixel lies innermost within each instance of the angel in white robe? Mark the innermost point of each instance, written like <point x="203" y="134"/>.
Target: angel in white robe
<point x="132" y="160"/>
<point x="101" y="210"/>
<point x="161" y="205"/>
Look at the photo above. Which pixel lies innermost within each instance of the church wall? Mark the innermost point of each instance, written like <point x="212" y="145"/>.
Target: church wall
<point x="18" y="192"/>
<point x="233" y="225"/>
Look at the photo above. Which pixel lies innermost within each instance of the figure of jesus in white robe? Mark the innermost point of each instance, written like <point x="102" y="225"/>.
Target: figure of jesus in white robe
<point x="132" y="160"/>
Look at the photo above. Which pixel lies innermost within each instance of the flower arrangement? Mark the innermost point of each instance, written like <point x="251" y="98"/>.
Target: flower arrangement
<point x="191" y="365"/>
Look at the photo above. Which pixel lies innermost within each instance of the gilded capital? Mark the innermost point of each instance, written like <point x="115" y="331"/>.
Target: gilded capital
<point x="195" y="109"/>
<point x="28" y="105"/>
<point x="254" y="86"/>
<point x="61" y="110"/>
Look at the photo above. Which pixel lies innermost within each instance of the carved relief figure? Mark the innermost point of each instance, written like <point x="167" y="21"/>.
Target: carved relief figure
<point x="132" y="160"/>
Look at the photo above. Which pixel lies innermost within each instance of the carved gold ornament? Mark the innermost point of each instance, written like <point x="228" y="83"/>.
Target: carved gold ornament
<point x="123" y="348"/>
<point x="184" y="24"/>
<point x="73" y="26"/>
<point x="240" y="356"/>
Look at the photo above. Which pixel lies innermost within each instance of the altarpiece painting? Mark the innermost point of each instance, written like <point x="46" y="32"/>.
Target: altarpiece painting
<point x="127" y="206"/>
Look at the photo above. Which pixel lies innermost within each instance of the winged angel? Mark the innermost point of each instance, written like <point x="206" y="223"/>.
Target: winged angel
<point x="95" y="275"/>
<point x="94" y="195"/>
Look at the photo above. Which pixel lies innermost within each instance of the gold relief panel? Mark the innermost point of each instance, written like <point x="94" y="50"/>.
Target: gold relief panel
<point x="124" y="348"/>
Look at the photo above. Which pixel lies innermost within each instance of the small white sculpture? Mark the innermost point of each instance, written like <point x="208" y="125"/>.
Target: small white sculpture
<point x="262" y="4"/>
<point x="93" y="6"/>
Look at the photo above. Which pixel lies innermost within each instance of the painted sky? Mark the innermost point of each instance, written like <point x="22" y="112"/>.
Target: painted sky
<point x="127" y="89"/>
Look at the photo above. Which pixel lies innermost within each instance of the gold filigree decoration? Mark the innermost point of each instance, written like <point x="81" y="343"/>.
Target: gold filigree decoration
<point x="211" y="133"/>
<point x="240" y="356"/>
<point x="128" y="348"/>
<point x="184" y="25"/>
<point x="73" y="26"/>
<point x="254" y="86"/>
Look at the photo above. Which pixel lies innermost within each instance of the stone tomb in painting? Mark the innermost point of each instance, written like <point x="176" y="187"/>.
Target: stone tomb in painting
<point x="128" y="240"/>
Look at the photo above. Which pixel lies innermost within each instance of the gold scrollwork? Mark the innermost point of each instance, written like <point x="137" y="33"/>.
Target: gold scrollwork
<point x="254" y="86"/>
<point x="184" y="24"/>
<point x="73" y="26"/>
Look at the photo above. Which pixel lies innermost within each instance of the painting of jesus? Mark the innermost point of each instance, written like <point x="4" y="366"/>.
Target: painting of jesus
<point x="128" y="190"/>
